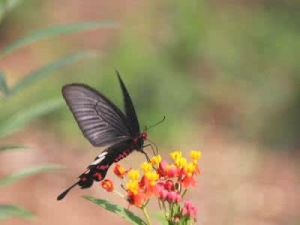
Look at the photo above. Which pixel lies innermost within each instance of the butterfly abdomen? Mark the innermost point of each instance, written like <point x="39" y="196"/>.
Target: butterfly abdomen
<point x="85" y="181"/>
<point x="94" y="173"/>
<point x="122" y="155"/>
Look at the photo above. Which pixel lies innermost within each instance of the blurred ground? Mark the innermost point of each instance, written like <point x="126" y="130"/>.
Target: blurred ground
<point x="240" y="183"/>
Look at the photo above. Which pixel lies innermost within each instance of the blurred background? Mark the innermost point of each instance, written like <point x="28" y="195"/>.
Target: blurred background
<point x="225" y="73"/>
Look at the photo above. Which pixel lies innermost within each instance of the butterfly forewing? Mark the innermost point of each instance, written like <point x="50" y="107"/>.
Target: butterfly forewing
<point x="129" y="109"/>
<point x="101" y="122"/>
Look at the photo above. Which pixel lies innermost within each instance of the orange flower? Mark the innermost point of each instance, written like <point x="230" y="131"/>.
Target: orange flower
<point x="151" y="177"/>
<point x="136" y="199"/>
<point x="148" y="183"/>
<point x="108" y="185"/>
<point x="120" y="171"/>
<point x="188" y="181"/>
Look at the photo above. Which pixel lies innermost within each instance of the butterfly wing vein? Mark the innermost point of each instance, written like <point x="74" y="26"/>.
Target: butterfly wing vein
<point x="101" y="122"/>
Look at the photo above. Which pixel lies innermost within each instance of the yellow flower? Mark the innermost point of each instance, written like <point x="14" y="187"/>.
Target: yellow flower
<point x="146" y="167"/>
<point x="195" y="155"/>
<point x="176" y="155"/>
<point x="152" y="177"/>
<point x="134" y="174"/>
<point x="132" y="186"/>
<point x="190" y="169"/>
<point x="156" y="160"/>
<point x="180" y="162"/>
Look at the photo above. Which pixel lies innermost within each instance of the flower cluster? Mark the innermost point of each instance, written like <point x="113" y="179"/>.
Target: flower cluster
<point x="166" y="181"/>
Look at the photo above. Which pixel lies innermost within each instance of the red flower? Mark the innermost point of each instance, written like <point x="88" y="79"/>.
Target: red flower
<point x="108" y="185"/>
<point x="169" y="185"/>
<point x="167" y="170"/>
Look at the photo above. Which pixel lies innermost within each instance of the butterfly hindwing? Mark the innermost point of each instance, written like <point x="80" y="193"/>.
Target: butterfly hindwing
<point x="98" y="168"/>
<point x="101" y="122"/>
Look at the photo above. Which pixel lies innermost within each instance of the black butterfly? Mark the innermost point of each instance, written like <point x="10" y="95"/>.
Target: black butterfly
<point x="103" y="124"/>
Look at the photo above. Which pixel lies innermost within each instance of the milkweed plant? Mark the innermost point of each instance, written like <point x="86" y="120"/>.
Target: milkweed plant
<point x="159" y="179"/>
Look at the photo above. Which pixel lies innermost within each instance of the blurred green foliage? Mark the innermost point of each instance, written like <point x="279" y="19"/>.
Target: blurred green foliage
<point x="16" y="116"/>
<point x="6" y="6"/>
<point x="229" y="65"/>
<point x="7" y="211"/>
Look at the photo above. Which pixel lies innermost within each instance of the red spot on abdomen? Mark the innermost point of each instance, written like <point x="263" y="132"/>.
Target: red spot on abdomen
<point x="102" y="167"/>
<point x="97" y="176"/>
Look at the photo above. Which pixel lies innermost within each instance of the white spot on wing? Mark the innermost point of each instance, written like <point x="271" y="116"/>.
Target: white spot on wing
<point x="99" y="158"/>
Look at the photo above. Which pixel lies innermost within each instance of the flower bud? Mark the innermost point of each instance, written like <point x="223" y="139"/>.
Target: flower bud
<point x="163" y="195"/>
<point x="172" y="171"/>
<point x="120" y="171"/>
<point x="189" y="210"/>
<point x="173" y="196"/>
<point x="162" y="169"/>
<point x="169" y="185"/>
<point x="108" y="185"/>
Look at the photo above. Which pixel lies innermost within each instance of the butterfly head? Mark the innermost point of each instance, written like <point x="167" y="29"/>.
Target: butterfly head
<point x="144" y="136"/>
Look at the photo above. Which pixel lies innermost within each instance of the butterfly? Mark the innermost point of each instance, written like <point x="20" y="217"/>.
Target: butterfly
<point x="103" y="124"/>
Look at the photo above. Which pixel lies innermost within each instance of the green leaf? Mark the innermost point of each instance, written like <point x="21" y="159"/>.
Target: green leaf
<point x="22" y="118"/>
<point x="3" y="84"/>
<point x="11" y="148"/>
<point x="8" y="211"/>
<point x="55" y="31"/>
<point x="49" y="69"/>
<point x="28" y="172"/>
<point x="160" y="218"/>
<point x="125" y="213"/>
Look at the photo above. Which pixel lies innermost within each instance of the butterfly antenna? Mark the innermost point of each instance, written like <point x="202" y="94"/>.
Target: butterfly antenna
<point x="63" y="194"/>
<point x="159" y="122"/>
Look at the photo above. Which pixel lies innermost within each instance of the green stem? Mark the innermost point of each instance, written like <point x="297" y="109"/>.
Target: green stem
<point x="146" y="215"/>
<point x="119" y="194"/>
<point x="163" y="207"/>
<point x="184" y="192"/>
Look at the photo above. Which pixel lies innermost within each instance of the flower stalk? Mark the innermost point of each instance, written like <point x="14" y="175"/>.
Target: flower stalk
<point x="144" y="209"/>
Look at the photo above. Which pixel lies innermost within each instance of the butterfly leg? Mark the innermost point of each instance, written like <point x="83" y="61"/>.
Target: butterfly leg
<point x="147" y="157"/>
<point x="150" y="145"/>
<point x="153" y="144"/>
